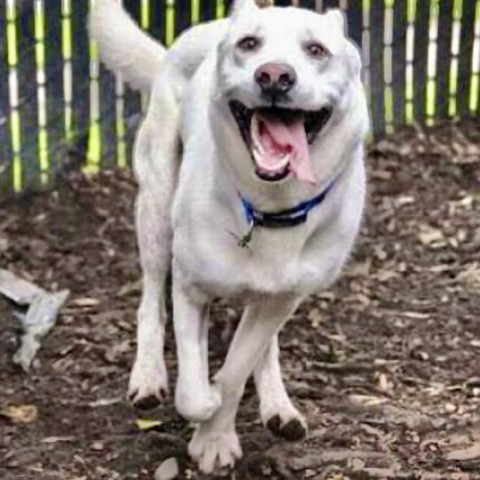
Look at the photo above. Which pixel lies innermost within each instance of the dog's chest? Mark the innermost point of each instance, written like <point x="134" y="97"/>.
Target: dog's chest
<point x="274" y="261"/>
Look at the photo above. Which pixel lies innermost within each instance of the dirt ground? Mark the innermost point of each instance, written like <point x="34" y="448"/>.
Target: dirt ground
<point x="386" y="365"/>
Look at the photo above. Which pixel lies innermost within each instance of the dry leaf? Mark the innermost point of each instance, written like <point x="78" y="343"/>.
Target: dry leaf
<point x="130" y="288"/>
<point x="20" y="414"/>
<point x="98" y="446"/>
<point x="359" y="269"/>
<point x="404" y="200"/>
<point x="471" y="276"/>
<point x="315" y="317"/>
<point x="461" y="476"/>
<point x="415" y="315"/>
<point x="383" y="383"/>
<point x="385" y="275"/>
<point x="429" y="235"/>
<point x="367" y="400"/>
<point x="147" y="424"/>
<point x="51" y="440"/>
<point x="357" y="464"/>
<point x="337" y="476"/>
<point x="85" y="302"/>
<point x="470" y="453"/>
<point x="105" y="402"/>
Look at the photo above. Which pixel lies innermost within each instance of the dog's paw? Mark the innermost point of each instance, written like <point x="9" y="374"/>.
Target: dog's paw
<point x="285" y="421"/>
<point x="198" y="404"/>
<point x="214" y="450"/>
<point x="148" y="385"/>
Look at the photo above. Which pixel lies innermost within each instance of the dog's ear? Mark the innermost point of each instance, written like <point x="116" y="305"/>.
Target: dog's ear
<point x="240" y="7"/>
<point x="338" y="16"/>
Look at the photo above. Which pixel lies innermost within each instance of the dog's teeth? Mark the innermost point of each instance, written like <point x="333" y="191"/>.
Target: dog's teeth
<point x="254" y="131"/>
<point x="272" y="169"/>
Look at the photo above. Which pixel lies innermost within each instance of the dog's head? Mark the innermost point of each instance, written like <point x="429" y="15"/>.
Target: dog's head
<point x="282" y="74"/>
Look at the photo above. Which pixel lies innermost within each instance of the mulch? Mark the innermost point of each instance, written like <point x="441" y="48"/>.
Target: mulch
<point x="385" y="365"/>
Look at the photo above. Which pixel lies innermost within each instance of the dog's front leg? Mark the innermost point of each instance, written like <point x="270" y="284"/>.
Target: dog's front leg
<point x="195" y="398"/>
<point x="277" y="411"/>
<point x="215" y="443"/>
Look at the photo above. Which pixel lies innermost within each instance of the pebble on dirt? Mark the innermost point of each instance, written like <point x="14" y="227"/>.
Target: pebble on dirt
<point x="168" y="470"/>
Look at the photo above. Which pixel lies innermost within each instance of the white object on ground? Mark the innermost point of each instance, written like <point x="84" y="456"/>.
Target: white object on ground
<point x="168" y="470"/>
<point x="42" y="313"/>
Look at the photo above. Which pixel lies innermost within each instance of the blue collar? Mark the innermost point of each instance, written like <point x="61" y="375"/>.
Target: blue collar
<point x="285" y="218"/>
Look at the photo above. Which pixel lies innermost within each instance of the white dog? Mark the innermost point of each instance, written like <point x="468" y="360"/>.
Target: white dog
<point x="252" y="184"/>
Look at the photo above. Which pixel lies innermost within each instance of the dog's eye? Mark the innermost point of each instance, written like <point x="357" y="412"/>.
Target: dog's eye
<point x="249" y="44"/>
<point x="316" y="50"/>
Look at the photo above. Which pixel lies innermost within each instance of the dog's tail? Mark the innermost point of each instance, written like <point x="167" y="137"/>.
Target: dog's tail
<point x="123" y="46"/>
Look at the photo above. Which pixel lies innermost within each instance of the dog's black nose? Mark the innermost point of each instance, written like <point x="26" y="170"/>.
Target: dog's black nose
<point x="275" y="78"/>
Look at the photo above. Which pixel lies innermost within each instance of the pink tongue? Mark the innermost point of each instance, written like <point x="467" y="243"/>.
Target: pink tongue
<point x="277" y="138"/>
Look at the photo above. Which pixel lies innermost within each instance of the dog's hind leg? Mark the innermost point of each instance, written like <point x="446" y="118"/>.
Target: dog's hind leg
<point x="277" y="411"/>
<point x="215" y="442"/>
<point x="156" y="167"/>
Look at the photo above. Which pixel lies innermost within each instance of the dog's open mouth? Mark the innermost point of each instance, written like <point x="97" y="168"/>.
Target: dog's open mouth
<point x="278" y="139"/>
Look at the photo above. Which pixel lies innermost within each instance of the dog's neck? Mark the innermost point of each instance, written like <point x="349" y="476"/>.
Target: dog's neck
<point x="290" y="217"/>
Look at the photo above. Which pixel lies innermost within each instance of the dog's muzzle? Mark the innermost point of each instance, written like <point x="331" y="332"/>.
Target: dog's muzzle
<point x="278" y="138"/>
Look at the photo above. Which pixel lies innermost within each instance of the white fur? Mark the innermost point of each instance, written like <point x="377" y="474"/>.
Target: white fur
<point x="189" y="212"/>
<point x="274" y="399"/>
<point x="126" y="50"/>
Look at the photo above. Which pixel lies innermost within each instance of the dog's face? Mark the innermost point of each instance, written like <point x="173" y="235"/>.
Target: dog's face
<point x="282" y="73"/>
